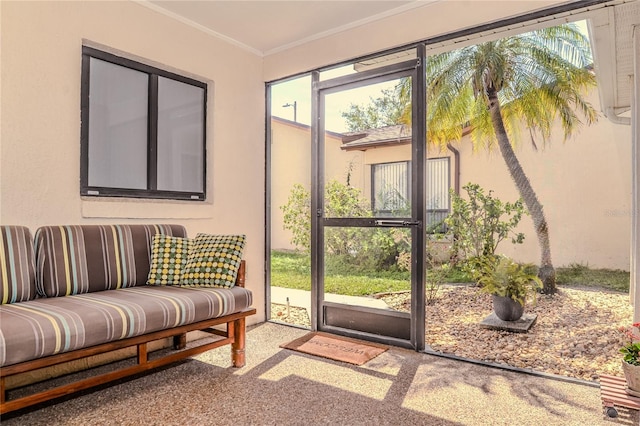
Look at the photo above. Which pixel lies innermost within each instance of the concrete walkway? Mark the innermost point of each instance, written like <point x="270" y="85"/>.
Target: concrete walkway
<point x="302" y="299"/>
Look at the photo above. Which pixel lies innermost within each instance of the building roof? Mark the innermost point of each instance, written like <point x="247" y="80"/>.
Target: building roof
<point x="399" y="134"/>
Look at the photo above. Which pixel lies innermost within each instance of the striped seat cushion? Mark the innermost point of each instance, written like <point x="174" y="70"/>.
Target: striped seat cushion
<point x="81" y="259"/>
<point x="48" y="326"/>
<point x="17" y="265"/>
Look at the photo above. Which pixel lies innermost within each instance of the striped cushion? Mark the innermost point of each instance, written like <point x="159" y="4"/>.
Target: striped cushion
<point x="86" y="258"/>
<point x="17" y="265"/>
<point x="48" y="326"/>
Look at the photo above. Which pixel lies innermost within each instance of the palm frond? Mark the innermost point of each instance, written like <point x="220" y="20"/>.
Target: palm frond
<point x="540" y="77"/>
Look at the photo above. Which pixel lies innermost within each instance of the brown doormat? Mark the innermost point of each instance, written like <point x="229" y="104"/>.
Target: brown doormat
<point x="336" y="347"/>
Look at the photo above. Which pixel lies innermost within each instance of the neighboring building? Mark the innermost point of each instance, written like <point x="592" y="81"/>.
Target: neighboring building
<point x="584" y="183"/>
<point x="387" y="151"/>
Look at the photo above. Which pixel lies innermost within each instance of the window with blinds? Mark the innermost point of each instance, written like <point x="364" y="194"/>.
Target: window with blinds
<point x="437" y="193"/>
<point x="391" y="190"/>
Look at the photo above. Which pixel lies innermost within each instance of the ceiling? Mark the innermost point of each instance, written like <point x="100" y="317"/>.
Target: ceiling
<point x="270" y="26"/>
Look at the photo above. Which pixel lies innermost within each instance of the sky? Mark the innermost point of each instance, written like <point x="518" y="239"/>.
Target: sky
<point x="299" y="90"/>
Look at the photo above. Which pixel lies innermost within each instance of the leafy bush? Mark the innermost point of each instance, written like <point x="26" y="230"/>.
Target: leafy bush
<point x="297" y="216"/>
<point x="631" y="349"/>
<point x="346" y="248"/>
<point x="435" y="275"/>
<point x="480" y="223"/>
<point x="436" y="271"/>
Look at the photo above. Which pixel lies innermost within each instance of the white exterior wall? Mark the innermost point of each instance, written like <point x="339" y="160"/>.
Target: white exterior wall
<point x="584" y="185"/>
<point x="291" y="164"/>
<point x="41" y="45"/>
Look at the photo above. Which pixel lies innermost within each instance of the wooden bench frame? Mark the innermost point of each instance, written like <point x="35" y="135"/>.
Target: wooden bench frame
<point x="234" y="335"/>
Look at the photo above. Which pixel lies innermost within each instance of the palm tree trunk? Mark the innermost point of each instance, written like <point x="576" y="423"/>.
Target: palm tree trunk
<point x="546" y="271"/>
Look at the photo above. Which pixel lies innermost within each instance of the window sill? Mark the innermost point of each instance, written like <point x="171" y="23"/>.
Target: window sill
<point x="136" y="208"/>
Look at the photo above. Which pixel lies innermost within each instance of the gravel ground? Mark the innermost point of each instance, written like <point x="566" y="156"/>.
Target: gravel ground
<point x="291" y="315"/>
<point x="575" y="334"/>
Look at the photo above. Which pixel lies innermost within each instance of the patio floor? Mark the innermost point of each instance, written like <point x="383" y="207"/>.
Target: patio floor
<point x="282" y="387"/>
<point x="575" y="334"/>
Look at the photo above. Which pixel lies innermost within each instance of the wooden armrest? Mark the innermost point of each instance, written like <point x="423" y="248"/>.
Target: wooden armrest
<point x="241" y="274"/>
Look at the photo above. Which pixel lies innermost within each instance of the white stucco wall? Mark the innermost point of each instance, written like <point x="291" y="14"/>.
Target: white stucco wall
<point x="635" y="185"/>
<point x="40" y="114"/>
<point x="291" y="164"/>
<point x="584" y="185"/>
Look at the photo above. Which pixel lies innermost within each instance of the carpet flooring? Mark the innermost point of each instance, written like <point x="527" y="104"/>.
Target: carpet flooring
<point x="283" y="387"/>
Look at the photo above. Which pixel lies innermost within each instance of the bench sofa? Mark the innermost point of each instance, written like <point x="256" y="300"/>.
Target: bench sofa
<point x="77" y="291"/>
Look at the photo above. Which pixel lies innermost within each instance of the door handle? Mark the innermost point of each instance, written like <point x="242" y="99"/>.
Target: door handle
<point x="397" y="223"/>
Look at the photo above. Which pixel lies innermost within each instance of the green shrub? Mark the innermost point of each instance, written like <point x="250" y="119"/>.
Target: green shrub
<point x="346" y="248"/>
<point x="478" y="224"/>
<point x="297" y="216"/>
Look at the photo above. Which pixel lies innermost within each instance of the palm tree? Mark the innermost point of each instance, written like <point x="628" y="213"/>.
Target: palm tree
<point x="538" y="78"/>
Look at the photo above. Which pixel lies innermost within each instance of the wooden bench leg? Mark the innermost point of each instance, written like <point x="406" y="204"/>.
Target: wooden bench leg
<point x="180" y="341"/>
<point x="237" y="347"/>
<point x="142" y="353"/>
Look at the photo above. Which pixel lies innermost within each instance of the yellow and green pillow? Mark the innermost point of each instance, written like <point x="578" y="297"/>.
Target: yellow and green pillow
<point x="206" y="261"/>
<point x="168" y="259"/>
<point x="214" y="261"/>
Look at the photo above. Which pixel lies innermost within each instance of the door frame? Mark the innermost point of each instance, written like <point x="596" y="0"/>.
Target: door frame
<point x="415" y="69"/>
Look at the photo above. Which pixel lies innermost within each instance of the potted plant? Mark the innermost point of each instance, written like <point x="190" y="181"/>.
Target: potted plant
<point x="631" y="359"/>
<point x="510" y="284"/>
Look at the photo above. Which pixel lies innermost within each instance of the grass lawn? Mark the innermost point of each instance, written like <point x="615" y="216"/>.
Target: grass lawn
<point x="581" y="275"/>
<point x="293" y="270"/>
